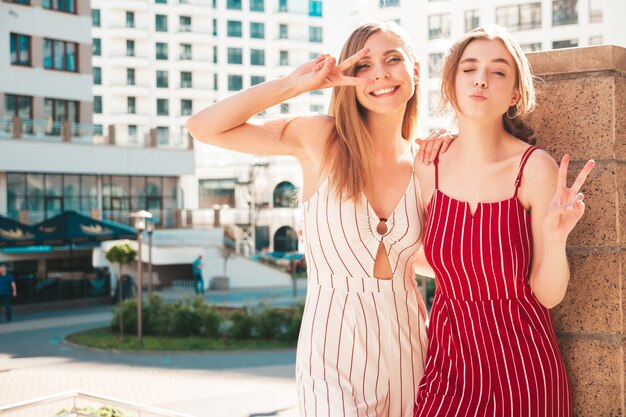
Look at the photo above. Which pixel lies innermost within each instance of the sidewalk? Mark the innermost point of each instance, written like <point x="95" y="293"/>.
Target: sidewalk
<point x="35" y="361"/>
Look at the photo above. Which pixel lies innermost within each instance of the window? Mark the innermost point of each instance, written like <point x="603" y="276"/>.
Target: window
<point x="130" y="76"/>
<point x="184" y="24"/>
<point x="570" y="43"/>
<point x="233" y="4"/>
<point x="388" y="3"/>
<point x="20" y="106"/>
<point x="161" y="22"/>
<point x="283" y="31"/>
<point x="235" y="56"/>
<point x="216" y="191"/>
<point x="531" y="47"/>
<point x="163" y="107"/>
<point x="472" y="19"/>
<point x="434" y="64"/>
<point x="285" y="195"/>
<point x="60" y="55"/>
<point x="161" y="50"/>
<point x="595" y="11"/>
<point x="215" y="54"/>
<point x="160" y="1"/>
<point x="24" y="2"/>
<point x="519" y="17"/>
<point x="96" y="47"/>
<point x="282" y="6"/>
<point x="163" y="135"/>
<point x="257" y="30"/>
<point x="215" y="82"/>
<point x="284" y="58"/>
<point x="186" y="107"/>
<point x="132" y="131"/>
<point x="316" y="92"/>
<point x="316" y="108"/>
<point x="20" y="49"/>
<point x="315" y="34"/>
<point x="97" y="76"/>
<point x="284" y="108"/>
<point x="257" y="5"/>
<point x="564" y="12"/>
<point x="130" y="47"/>
<point x="315" y="8"/>
<point x="596" y="40"/>
<point x="95" y="17"/>
<point x="439" y="26"/>
<point x="60" y="110"/>
<point x="130" y="19"/>
<point x="257" y="57"/>
<point x="67" y="6"/>
<point x="97" y="104"/>
<point x="185" y="79"/>
<point x="256" y="79"/>
<point x="131" y="107"/>
<point x="233" y="28"/>
<point x="214" y="4"/>
<point x="214" y="27"/>
<point x="98" y="130"/>
<point x="235" y="82"/>
<point x="185" y="51"/>
<point x="313" y="55"/>
<point x="162" y="79"/>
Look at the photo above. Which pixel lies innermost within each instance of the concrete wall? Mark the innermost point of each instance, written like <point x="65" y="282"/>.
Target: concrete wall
<point x="582" y="111"/>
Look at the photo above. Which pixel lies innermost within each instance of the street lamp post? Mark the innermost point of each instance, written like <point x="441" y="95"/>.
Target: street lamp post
<point x="150" y="223"/>
<point x="140" y="225"/>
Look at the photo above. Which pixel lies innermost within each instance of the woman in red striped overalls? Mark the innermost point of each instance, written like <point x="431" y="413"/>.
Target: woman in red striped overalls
<point x="497" y="222"/>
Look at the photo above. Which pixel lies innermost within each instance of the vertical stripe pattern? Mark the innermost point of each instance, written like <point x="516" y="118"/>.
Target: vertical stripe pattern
<point x="362" y="345"/>
<point x="493" y="348"/>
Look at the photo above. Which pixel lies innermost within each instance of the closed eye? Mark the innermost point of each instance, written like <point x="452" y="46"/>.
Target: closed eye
<point x="361" y="66"/>
<point x="499" y="73"/>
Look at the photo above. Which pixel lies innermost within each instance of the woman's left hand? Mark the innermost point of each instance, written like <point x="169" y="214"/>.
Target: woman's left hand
<point x="437" y="141"/>
<point x="567" y="206"/>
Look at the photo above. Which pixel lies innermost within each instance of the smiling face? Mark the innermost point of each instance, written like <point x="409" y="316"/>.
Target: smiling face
<point x="485" y="80"/>
<point x="393" y="70"/>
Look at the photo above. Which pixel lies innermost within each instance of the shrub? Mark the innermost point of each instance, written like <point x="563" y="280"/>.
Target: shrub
<point x="244" y="324"/>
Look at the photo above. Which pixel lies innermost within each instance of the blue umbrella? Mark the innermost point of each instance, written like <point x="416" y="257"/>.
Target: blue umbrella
<point x="72" y="227"/>
<point x="14" y="233"/>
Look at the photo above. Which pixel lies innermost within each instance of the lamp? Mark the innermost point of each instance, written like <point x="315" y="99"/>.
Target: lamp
<point x="150" y="224"/>
<point x="140" y="224"/>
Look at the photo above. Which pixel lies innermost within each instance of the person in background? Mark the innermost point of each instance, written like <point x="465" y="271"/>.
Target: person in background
<point x="198" y="281"/>
<point x="8" y="290"/>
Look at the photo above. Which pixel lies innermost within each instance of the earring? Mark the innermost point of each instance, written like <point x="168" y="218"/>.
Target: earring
<point x="516" y="106"/>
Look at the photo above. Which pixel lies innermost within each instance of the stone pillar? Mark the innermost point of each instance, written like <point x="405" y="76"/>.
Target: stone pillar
<point x="582" y="111"/>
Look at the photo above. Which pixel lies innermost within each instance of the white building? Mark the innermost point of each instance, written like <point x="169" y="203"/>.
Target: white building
<point x="433" y="25"/>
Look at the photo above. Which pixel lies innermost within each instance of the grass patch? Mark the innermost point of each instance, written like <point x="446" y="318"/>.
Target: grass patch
<point x="103" y="338"/>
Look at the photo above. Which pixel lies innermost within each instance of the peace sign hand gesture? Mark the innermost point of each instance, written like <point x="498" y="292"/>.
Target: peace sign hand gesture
<point x="567" y="206"/>
<point x="323" y="72"/>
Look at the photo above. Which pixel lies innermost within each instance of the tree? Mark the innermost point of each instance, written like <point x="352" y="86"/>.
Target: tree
<point x="121" y="253"/>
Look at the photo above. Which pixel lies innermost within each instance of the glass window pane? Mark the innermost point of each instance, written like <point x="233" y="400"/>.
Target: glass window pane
<point x="70" y="57"/>
<point x="54" y="185"/>
<point x="58" y="49"/>
<point x="47" y="53"/>
<point x="154" y="186"/>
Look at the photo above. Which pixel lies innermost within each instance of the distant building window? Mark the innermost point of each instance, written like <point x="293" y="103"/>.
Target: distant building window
<point x="315" y="34"/>
<point x="595" y="11"/>
<point x="596" y="40"/>
<point x="130" y="47"/>
<point x="519" y="17"/>
<point x="216" y="191"/>
<point x="132" y="131"/>
<point x="163" y="135"/>
<point x="97" y="104"/>
<point x="282" y="6"/>
<point x="185" y="51"/>
<point x="130" y="76"/>
<point x="235" y="82"/>
<point x="96" y="47"/>
<point x="98" y="129"/>
<point x="434" y="64"/>
<point x="257" y="30"/>
<point x="233" y="28"/>
<point x="388" y="3"/>
<point x="215" y="82"/>
<point x="315" y="8"/>
<point x="283" y="31"/>
<point x="285" y="195"/>
<point x="531" y="47"/>
<point x="284" y="58"/>
<point x="67" y="6"/>
<point x="184" y="24"/>
<point x="161" y="22"/>
<point x="439" y="26"/>
<point x="564" y="12"/>
<point x="163" y="107"/>
<point x="284" y="108"/>
<point x="472" y="19"/>
<point x="186" y="107"/>
<point x="215" y="54"/>
<point x="162" y="79"/>
<point x="97" y="76"/>
<point x="214" y="24"/>
<point x="185" y="79"/>
<point x="24" y="2"/>
<point x="233" y="4"/>
<point x="235" y="56"/>
<point x="20" y="49"/>
<point x="161" y="1"/>
<point x="256" y="79"/>
<point x="257" y="5"/>
<point x="131" y="105"/>
<point x="316" y="92"/>
<point x="570" y="43"/>
<point x="161" y="50"/>
<point x="60" y="55"/>
<point x="95" y="17"/>
<point x="20" y="106"/>
<point x="214" y="4"/>
<point x="130" y="19"/>
<point x="59" y="110"/>
<point x="257" y="57"/>
<point x="317" y="108"/>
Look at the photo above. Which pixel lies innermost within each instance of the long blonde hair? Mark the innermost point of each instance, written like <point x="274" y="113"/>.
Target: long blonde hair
<point x="351" y="144"/>
<point x="524" y="79"/>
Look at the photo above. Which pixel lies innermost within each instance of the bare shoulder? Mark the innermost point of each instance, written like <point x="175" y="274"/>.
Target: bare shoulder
<point x="540" y="167"/>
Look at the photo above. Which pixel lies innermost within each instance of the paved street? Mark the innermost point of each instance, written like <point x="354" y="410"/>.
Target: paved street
<point x="35" y="362"/>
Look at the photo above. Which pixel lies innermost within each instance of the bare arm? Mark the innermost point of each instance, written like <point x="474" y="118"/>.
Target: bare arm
<point x="421" y="265"/>
<point x="14" y="288"/>
<point x="555" y="210"/>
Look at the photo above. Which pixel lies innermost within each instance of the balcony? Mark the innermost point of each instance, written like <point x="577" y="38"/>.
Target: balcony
<point x="123" y="88"/>
<point x="128" y="61"/>
<point x="127" y="32"/>
<point x="193" y="7"/>
<point x="191" y="34"/>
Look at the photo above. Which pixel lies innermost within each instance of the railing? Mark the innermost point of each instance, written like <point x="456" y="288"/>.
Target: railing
<point x="77" y="404"/>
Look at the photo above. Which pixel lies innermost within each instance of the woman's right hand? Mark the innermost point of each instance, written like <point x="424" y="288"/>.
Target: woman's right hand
<point x="323" y="72"/>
